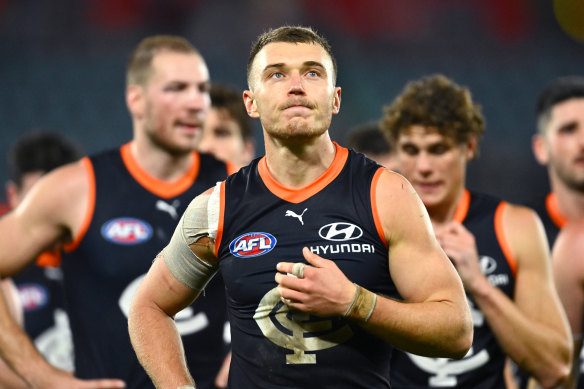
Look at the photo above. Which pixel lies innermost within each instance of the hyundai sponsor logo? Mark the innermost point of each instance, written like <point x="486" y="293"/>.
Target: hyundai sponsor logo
<point x="252" y="244"/>
<point x="339" y="232"/>
<point x="488" y="264"/>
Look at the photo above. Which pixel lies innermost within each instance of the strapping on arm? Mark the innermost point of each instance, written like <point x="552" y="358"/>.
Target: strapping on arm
<point x="200" y="220"/>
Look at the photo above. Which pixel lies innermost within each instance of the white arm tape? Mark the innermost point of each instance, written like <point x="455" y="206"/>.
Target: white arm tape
<point x="201" y="219"/>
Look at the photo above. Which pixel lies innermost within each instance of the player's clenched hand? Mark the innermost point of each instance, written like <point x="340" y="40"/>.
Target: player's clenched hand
<point x="460" y="246"/>
<point x="320" y="289"/>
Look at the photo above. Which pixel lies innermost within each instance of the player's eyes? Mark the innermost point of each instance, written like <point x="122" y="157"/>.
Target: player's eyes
<point x="409" y="150"/>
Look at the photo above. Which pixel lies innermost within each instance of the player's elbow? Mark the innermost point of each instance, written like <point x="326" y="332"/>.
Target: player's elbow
<point x="555" y="379"/>
<point x="463" y="341"/>
<point x="463" y="349"/>
<point x="557" y="373"/>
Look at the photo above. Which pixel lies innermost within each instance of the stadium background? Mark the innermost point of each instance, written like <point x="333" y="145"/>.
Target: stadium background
<point x="63" y="64"/>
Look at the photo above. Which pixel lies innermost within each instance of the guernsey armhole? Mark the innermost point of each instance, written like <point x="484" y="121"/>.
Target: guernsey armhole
<point x="89" y="209"/>
<point x="220" y="188"/>
<point x="375" y="211"/>
<point x="462" y="207"/>
<point x="49" y="258"/>
<point x="551" y="205"/>
<point x="500" y="233"/>
<point x="231" y="168"/>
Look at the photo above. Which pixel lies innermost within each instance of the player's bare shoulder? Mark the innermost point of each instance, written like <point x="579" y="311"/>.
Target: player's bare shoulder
<point x="517" y="215"/>
<point x="521" y="223"/>
<point x="523" y="231"/>
<point x="394" y="191"/>
<point x="569" y="243"/>
<point x="61" y="197"/>
<point x="400" y="209"/>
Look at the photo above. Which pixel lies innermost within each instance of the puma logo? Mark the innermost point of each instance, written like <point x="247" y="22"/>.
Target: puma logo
<point x="169" y="208"/>
<point x="294" y="214"/>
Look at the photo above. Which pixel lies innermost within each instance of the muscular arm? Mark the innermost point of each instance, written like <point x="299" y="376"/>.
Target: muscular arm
<point x="532" y="329"/>
<point x="152" y="329"/>
<point x="568" y="269"/>
<point x="160" y="296"/>
<point x="46" y="217"/>
<point x="434" y="318"/>
<point x="51" y="213"/>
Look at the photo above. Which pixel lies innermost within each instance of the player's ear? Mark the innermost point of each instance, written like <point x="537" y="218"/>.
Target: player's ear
<point x="472" y="148"/>
<point x="135" y="100"/>
<point x="540" y="149"/>
<point x="250" y="104"/>
<point x="337" y="100"/>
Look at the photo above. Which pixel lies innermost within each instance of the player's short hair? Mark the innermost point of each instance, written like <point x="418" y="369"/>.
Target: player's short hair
<point x="368" y="139"/>
<point x="139" y="66"/>
<point x="290" y="34"/>
<point x="228" y="99"/>
<point x="40" y="151"/>
<point x="434" y="101"/>
<point x="557" y="91"/>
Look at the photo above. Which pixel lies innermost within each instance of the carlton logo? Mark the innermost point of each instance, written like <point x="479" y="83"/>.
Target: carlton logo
<point x="339" y="232"/>
<point x="126" y="231"/>
<point x="252" y="244"/>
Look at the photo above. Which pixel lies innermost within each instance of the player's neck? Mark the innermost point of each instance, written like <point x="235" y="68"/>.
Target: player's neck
<point x="570" y="202"/>
<point x="296" y="165"/>
<point x="445" y="211"/>
<point x="159" y="163"/>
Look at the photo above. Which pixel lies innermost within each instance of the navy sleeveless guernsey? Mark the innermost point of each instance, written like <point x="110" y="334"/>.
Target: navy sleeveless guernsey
<point x="482" y="367"/>
<point x="132" y="219"/>
<point x="265" y="223"/>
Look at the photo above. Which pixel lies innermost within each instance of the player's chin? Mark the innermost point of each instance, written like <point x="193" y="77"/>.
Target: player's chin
<point x="300" y="132"/>
<point x="185" y="146"/>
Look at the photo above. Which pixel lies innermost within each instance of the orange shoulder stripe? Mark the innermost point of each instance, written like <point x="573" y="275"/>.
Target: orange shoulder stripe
<point x="500" y="233"/>
<point x="231" y="168"/>
<point x="462" y="207"/>
<point x="49" y="258"/>
<point x="298" y="195"/>
<point x="551" y="205"/>
<point x="90" y="206"/>
<point x="160" y="188"/>
<point x="376" y="217"/>
<point x="219" y="235"/>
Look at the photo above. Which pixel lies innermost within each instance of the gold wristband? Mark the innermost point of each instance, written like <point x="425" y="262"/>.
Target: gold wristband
<point x="186" y="387"/>
<point x="362" y="306"/>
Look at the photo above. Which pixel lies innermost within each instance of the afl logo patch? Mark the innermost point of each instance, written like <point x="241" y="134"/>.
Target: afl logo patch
<point x="252" y="244"/>
<point x="33" y="296"/>
<point x="126" y="231"/>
